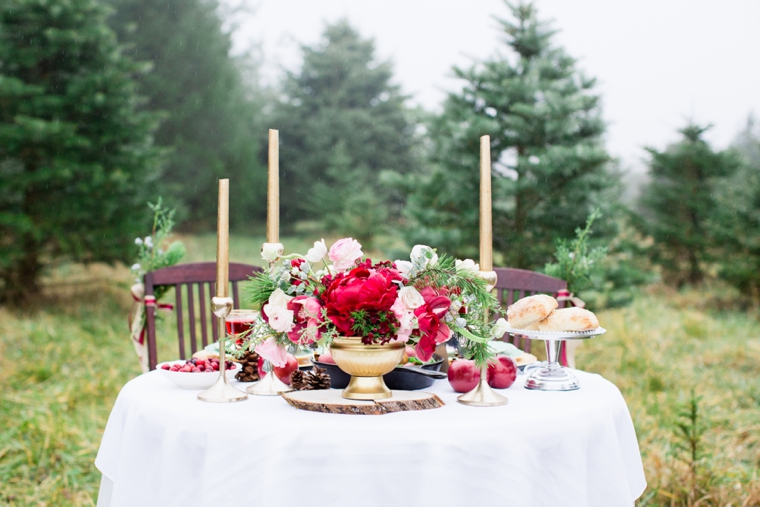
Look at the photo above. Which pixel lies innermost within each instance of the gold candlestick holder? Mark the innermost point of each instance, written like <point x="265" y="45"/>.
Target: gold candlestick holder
<point x="270" y="385"/>
<point x="222" y="391"/>
<point x="483" y="395"/>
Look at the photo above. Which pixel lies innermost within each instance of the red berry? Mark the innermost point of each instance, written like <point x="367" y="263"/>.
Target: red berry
<point x="165" y="367"/>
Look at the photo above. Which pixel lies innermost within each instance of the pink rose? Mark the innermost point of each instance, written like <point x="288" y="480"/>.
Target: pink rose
<point x="308" y="318"/>
<point x="272" y="352"/>
<point x="405" y="318"/>
<point x="344" y="253"/>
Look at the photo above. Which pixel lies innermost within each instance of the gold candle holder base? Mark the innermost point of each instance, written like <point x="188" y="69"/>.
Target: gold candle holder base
<point x="270" y="385"/>
<point x="222" y="391"/>
<point x="483" y="395"/>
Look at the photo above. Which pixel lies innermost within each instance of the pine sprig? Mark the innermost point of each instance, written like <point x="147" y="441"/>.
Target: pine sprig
<point x="443" y="273"/>
<point x="259" y="288"/>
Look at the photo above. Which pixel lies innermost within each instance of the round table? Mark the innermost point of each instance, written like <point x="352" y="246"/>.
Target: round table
<point x="164" y="447"/>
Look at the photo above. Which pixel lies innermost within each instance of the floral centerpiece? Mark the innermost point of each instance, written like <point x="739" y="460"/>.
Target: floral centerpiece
<point x="324" y="295"/>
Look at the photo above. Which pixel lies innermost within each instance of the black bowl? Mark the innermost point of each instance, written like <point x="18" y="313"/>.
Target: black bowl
<point x="401" y="378"/>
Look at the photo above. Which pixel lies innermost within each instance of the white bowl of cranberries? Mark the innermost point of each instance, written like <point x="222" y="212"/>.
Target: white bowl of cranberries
<point x="195" y="373"/>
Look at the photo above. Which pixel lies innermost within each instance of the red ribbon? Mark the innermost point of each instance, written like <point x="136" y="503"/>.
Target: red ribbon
<point x="151" y="301"/>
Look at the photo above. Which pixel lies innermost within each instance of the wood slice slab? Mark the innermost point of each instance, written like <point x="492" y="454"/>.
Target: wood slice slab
<point x="330" y="401"/>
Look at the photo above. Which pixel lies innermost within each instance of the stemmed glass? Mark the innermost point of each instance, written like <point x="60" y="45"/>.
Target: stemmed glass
<point x="239" y="322"/>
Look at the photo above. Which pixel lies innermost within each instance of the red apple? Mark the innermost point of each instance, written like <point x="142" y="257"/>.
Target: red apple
<point x="282" y="373"/>
<point x="463" y="375"/>
<point x="326" y="358"/>
<point x="502" y="372"/>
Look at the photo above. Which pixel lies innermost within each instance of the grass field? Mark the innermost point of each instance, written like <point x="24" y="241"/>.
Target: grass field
<point x="61" y="368"/>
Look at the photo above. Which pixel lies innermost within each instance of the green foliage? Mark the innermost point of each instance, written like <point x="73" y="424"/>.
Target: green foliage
<point x="736" y="223"/>
<point x="210" y="104"/>
<point x="576" y="264"/>
<point x="688" y="446"/>
<point x="679" y="201"/>
<point x="444" y="273"/>
<point x="153" y="251"/>
<point x="341" y="124"/>
<point x="550" y="165"/>
<point x="76" y="157"/>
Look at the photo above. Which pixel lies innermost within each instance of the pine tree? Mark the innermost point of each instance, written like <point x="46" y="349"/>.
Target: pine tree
<point x="736" y="223"/>
<point x="75" y="156"/>
<point x="342" y="123"/>
<point x="679" y="201"/>
<point x="212" y="114"/>
<point x="550" y="165"/>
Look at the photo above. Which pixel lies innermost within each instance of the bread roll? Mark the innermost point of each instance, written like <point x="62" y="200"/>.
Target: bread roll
<point x="530" y="310"/>
<point x="569" y="319"/>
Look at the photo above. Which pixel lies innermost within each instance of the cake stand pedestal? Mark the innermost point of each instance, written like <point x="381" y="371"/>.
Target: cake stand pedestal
<point x="550" y="375"/>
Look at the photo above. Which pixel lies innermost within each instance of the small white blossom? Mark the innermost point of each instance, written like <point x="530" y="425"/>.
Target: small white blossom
<point x="135" y="267"/>
<point x="270" y="252"/>
<point x="148" y="241"/>
<point x="423" y="256"/>
<point x="499" y="328"/>
<point x="460" y="322"/>
<point x="467" y="266"/>
<point x="317" y="253"/>
<point x="138" y="241"/>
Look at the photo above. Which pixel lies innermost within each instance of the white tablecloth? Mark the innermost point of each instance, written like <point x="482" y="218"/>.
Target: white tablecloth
<point x="164" y="447"/>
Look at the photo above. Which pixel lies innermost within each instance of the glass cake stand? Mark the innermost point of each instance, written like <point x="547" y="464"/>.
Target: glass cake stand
<point x="550" y="375"/>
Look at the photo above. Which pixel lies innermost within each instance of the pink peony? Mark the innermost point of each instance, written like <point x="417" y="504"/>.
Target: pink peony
<point x="344" y="253"/>
<point x="272" y="352"/>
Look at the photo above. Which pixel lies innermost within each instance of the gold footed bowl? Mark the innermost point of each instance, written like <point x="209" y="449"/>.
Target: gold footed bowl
<point x="366" y="364"/>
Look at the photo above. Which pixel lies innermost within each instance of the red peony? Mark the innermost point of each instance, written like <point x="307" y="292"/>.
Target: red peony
<point x="363" y="288"/>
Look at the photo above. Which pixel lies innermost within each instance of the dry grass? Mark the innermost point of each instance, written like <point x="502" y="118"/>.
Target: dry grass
<point x="62" y="367"/>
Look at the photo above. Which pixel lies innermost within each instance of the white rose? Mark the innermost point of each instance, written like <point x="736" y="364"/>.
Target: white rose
<point x="403" y="267"/>
<point x="270" y="252"/>
<point x="423" y="256"/>
<point x="279" y="298"/>
<point x="411" y="297"/>
<point x="467" y="265"/>
<point x="280" y="319"/>
<point x="499" y="328"/>
<point x="317" y="253"/>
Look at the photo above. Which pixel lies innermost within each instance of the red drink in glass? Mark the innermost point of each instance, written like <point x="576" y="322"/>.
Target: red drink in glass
<point x="240" y="321"/>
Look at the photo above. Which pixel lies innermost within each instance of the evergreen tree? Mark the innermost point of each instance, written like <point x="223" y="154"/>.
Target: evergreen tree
<point x="212" y="116"/>
<point x="550" y="166"/>
<point x="75" y="156"/>
<point x="679" y="201"/>
<point x="736" y="223"/>
<point x="342" y="123"/>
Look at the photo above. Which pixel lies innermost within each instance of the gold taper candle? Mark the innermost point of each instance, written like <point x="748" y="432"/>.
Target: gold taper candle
<point x="273" y="188"/>
<point x="486" y="231"/>
<point x="223" y="240"/>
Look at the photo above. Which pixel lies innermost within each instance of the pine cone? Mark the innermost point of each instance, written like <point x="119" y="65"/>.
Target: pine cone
<point x="297" y="380"/>
<point x="249" y="371"/>
<point x="318" y="379"/>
